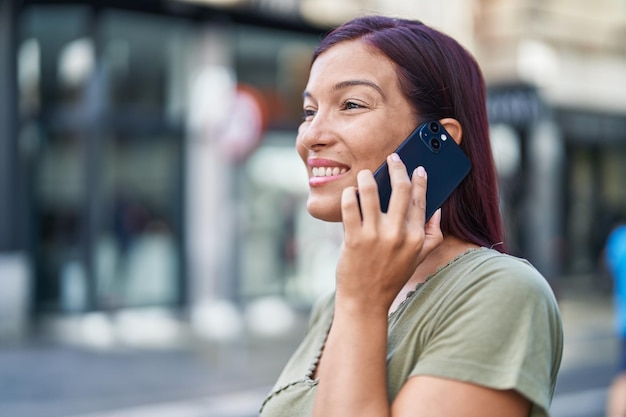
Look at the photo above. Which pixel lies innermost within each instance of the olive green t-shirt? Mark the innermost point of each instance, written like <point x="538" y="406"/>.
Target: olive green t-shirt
<point x="486" y="318"/>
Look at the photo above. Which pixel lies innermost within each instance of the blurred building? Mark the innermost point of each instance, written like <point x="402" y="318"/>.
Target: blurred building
<point x="146" y="147"/>
<point x="147" y="154"/>
<point x="556" y="72"/>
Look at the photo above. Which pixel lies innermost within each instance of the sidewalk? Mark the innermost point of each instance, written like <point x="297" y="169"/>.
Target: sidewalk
<point x="588" y="326"/>
<point x="590" y="350"/>
<point x="59" y="381"/>
<point x="227" y="379"/>
<point x="197" y="378"/>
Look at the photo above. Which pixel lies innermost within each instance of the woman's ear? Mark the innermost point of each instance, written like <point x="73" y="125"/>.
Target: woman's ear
<point x="454" y="129"/>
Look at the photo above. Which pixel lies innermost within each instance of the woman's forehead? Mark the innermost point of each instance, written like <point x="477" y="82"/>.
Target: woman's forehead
<point x="352" y="60"/>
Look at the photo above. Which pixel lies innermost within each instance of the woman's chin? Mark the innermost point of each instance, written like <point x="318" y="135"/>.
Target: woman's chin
<point x="326" y="212"/>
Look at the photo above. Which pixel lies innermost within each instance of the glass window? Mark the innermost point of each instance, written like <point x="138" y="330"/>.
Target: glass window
<point x="107" y="161"/>
<point x="283" y="250"/>
<point x="105" y="98"/>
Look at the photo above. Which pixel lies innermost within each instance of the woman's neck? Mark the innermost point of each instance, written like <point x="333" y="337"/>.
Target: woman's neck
<point x="448" y="250"/>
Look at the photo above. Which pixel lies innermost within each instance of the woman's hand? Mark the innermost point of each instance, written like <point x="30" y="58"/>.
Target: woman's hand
<point x="380" y="253"/>
<point x="382" y="250"/>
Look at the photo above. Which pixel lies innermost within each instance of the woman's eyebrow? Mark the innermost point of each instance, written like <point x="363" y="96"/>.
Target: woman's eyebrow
<point x="351" y="83"/>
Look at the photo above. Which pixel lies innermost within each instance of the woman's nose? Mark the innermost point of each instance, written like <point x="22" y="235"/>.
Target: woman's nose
<point x="315" y="134"/>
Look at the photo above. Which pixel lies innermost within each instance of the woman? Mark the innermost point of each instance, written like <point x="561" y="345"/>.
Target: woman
<point x="427" y="318"/>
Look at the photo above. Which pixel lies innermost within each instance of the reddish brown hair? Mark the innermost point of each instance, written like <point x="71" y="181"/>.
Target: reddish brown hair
<point x="441" y="79"/>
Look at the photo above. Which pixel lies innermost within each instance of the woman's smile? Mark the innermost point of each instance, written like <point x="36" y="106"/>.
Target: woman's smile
<point x="324" y="171"/>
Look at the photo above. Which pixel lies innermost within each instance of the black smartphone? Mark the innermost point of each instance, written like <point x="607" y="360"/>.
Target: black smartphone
<point x="432" y="147"/>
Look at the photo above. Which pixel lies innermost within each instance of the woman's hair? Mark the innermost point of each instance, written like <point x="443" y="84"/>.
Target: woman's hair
<point x="441" y="79"/>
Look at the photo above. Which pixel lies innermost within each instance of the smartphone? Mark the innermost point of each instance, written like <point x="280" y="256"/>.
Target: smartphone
<point x="432" y="147"/>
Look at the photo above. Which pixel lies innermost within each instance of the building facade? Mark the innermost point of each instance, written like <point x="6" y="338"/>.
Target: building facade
<point x="556" y="71"/>
<point x="147" y="147"/>
<point x="149" y="155"/>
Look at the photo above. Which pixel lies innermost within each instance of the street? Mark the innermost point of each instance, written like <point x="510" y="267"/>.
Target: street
<point x="231" y="380"/>
<point x="589" y="355"/>
<point x="588" y="393"/>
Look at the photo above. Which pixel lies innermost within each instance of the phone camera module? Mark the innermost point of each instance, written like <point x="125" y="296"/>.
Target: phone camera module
<point x="434" y="127"/>
<point x="435" y="144"/>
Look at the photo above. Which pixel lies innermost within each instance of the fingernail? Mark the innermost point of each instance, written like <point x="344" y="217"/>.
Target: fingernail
<point x="395" y="157"/>
<point x="421" y="171"/>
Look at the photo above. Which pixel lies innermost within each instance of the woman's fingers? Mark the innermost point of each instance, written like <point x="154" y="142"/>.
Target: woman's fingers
<point x="417" y="208"/>
<point x="350" y="214"/>
<point x="368" y="197"/>
<point x="400" y="239"/>
<point x="408" y="196"/>
<point x="406" y="206"/>
<point x="400" y="187"/>
<point x="433" y="235"/>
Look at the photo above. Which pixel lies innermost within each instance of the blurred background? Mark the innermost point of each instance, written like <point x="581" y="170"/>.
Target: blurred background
<point x="156" y="257"/>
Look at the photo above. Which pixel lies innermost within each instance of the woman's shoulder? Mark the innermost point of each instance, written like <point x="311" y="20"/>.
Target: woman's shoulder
<point x="501" y="272"/>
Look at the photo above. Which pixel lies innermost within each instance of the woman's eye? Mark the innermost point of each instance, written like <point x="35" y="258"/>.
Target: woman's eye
<point x="307" y="114"/>
<point x="351" y="105"/>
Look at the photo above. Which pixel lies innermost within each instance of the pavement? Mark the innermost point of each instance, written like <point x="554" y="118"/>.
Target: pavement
<point x="590" y="350"/>
<point x="51" y="376"/>
<point x="44" y="377"/>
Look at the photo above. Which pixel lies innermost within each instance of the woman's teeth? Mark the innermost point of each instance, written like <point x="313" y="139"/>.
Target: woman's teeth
<point x="328" y="171"/>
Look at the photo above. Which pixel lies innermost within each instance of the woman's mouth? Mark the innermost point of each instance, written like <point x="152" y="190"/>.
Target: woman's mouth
<point x="327" y="171"/>
<point x="326" y="174"/>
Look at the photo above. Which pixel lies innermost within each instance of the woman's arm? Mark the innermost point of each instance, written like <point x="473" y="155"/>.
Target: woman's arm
<point x="379" y="254"/>
<point x="425" y="396"/>
<point x="352" y="371"/>
<point x="354" y="381"/>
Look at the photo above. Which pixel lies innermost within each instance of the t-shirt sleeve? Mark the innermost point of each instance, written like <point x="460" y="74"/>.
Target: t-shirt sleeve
<point x="501" y="329"/>
<point x="321" y="305"/>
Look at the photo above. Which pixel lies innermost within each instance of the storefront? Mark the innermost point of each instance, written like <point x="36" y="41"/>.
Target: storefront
<point x="596" y="185"/>
<point x="156" y="152"/>
<point x="152" y="163"/>
<point x="562" y="174"/>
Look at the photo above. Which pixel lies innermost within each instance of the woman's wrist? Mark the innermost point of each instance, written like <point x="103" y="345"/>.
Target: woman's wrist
<point x="364" y="307"/>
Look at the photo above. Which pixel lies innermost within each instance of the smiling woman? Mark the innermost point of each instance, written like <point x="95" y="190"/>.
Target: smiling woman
<point x="427" y="319"/>
<point x="354" y="116"/>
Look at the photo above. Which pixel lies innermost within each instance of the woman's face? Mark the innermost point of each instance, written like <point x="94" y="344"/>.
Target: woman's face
<point x="354" y="116"/>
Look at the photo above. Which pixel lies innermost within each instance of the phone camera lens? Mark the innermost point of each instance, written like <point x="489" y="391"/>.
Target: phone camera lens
<point x="435" y="144"/>
<point x="434" y="127"/>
